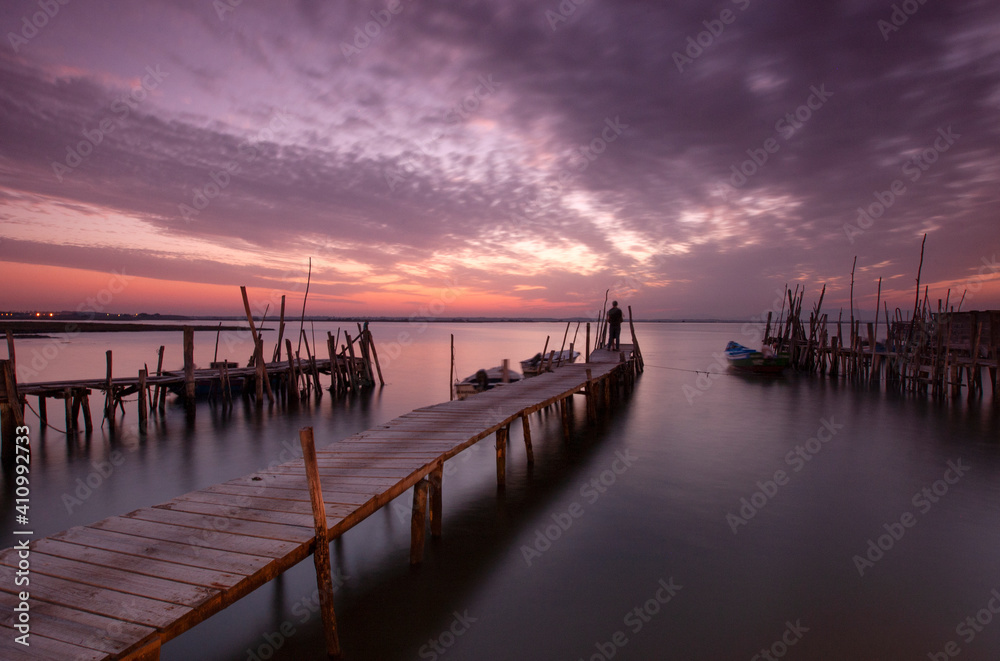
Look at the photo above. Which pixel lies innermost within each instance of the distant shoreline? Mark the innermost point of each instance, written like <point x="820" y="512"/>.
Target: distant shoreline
<point x="41" y="328"/>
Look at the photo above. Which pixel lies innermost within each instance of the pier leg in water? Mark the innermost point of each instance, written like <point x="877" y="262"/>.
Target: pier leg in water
<point x="564" y="410"/>
<point x="418" y="521"/>
<point x="502" y="435"/>
<point x="321" y="556"/>
<point x="437" y="501"/>
<point x="527" y="439"/>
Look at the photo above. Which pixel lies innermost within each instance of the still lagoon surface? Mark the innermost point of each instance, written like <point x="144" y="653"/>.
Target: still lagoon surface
<point x="710" y="516"/>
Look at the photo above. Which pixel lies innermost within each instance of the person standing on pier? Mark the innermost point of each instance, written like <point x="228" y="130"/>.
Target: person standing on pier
<point x="615" y="318"/>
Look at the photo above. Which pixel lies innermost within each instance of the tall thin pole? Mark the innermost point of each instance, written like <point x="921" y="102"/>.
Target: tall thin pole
<point x="302" y="321"/>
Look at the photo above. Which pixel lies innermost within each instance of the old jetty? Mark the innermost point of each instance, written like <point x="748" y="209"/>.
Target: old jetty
<point x="934" y="349"/>
<point x="121" y="587"/>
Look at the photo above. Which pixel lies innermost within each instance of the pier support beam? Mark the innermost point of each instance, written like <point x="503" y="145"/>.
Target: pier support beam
<point x="503" y="434"/>
<point x="418" y="521"/>
<point x="321" y="556"/>
<point x="526" y="426"/>
<point x="435" y="479"/>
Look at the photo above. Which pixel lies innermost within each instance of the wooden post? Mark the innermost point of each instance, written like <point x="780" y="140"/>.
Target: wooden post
<point x="281" y="332"/>
<point x="587" y="356"/>
<point x="365" y="356"/>
<point x="451" y="371"/>
<point x="262" y="381"/>
<point x="43" y="414"/>
<point x="636" y="352"/>
<point x="159" y="391"/>
<point x="418" y="521"/>
<point x="501" y="443"/>
<point x="563" y="346"/>
<point x="68" y="405"/>
<point x="143" y="410"/>
<point x="109" y="396"/>
<point x="564" y="412"/>
<point x="293" y="377"/>
<point x="436" y="478"/>
<point x="351" y="367"/>
<point x="591" y="399"/>
<point x="88" y="420"/>
<point x="189" y="365"/>
<point x="321" y="554"/>
<point x="526" y="426"/>
<point x="371" y="347"/>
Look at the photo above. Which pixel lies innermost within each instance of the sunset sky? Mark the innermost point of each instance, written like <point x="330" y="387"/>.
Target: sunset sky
<point x="497" y="157"/>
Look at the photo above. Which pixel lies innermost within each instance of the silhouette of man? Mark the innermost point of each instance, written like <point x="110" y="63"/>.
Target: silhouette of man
<point x="615" y="318"/>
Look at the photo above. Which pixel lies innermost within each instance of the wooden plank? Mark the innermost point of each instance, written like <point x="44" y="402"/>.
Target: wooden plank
<point x="112" y="578"/>
<point x="100" y="601"/>
<point x="243" y="516"/>
<point x="68" y="625"/>
<point x="183" y="554"/>
<point x="295" y="495"/>
<point x="164" y="526"/>
<point x="43" y="648"/>
<point x="275" y="505"/>
<point x="180" y="573"/>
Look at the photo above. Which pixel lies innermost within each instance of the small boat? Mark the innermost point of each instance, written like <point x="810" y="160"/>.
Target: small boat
<point x="745" y="359"/>
<point x="535" y="365"/>
<point x="484" y="380"/>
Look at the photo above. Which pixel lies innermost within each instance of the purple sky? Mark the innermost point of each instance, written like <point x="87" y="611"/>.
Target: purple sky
<point x="497" y="157"/>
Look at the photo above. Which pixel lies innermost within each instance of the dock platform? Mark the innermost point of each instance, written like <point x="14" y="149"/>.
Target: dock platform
<point x="122" y="587"/>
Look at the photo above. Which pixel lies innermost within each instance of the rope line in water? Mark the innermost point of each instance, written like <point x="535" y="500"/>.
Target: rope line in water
<point x="680" y="369"/>
<point x="38" y="415"/>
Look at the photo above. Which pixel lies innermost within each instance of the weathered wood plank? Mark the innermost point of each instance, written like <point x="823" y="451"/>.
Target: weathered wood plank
<point x="244" y="518"/>
<point x="101" y="601"/>
<point x="112" y="578"/>
<point x="199" y="531"/>
<point x="179" y="573"/>
<point x="68" y="625"/>
<point x="184" y="553"/>
<point x="43" y="648"/>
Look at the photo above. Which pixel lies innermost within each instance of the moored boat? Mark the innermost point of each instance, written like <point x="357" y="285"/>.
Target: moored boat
<point x="536" y="364"/>
<point x="485" y="380"/>
<point x="745" y="359"/>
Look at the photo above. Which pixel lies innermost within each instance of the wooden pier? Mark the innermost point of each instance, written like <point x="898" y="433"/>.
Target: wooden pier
<point x="351" y="367"/>
<point x="121" y="587"/>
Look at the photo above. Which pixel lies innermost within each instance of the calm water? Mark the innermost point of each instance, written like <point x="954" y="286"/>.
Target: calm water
<point x="619" y="544"/>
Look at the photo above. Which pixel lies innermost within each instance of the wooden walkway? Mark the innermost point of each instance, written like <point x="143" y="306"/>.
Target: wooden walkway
<point x="121" y="587"/>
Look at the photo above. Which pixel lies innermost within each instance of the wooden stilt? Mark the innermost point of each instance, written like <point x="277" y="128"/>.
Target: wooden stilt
<point x="68" y="404"/>
<point x="43" y="414"/>
<point x="526" y="426"/>
<point x="351" y="367"/>
<point x="321" y="554"/>
<point x="418" y="521"/>
<point x="436" y="478"/>
<point x="143" y="410"/>
<point x="591" y="398"/>
<point x="564" y="411"/>
<point x="88" y="420"/>
<point x="371" y="347"/>
<point x="501" y="442"/>
<point x="189" y="385"/>
<point x="587" y="355"/>
<point x="109" y="396"/>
